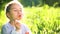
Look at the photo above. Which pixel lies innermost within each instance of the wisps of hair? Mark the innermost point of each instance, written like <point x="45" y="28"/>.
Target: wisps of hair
<point x="14" y="1"/>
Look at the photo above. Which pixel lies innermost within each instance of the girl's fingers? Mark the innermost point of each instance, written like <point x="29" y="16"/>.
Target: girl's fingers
<point x="27" y="33"/>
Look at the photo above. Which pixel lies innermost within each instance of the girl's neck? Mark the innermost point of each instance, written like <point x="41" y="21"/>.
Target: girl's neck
<point x="12" y="23"/>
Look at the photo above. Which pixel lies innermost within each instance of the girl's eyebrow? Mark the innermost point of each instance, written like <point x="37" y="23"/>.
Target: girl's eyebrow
<point x="15" y="8"/>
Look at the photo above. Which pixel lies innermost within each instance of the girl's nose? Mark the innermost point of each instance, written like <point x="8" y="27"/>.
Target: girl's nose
<point x="20" y="12"/>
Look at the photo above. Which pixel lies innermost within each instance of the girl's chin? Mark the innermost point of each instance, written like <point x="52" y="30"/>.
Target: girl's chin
<point x="19" y="18"/>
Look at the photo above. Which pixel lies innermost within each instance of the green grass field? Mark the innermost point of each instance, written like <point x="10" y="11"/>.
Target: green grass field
<point x="41" y="20"/>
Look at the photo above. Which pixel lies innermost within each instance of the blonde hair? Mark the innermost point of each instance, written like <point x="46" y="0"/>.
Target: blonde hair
<point x="8" y="6"/>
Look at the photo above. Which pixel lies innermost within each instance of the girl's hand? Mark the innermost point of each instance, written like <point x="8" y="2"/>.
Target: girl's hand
<point x="17" y="25"/>
<point x="27" y="33"/>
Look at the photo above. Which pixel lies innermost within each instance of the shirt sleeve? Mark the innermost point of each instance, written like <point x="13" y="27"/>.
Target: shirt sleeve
<point x="15" y="32"/>
<point x="4" y="30"/>
<point x="27" y="30"/>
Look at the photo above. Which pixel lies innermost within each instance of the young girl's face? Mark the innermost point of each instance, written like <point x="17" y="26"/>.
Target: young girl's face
<point x="15" y="12"/>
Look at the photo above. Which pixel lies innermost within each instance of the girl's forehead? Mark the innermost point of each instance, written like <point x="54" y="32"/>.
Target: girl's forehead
<point x="15" y="5"/>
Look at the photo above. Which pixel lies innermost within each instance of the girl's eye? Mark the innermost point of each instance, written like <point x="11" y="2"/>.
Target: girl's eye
<point x="15" y="10"/>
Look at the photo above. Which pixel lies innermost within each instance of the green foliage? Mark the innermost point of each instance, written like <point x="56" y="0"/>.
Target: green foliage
<point x="41" y="20"/>
<point x="30" y="3"/>
<point x="26" y="3"/>
<point x="51" y="2"/>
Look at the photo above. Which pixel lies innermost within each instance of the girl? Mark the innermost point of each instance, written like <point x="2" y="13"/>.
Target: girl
<point x="14" y="13"/>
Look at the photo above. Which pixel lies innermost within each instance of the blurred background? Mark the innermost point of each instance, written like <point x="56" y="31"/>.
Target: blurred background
<point x="41" y="16"/>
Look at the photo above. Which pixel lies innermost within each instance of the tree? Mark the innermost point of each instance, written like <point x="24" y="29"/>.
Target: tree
<point x="2" y="4"/>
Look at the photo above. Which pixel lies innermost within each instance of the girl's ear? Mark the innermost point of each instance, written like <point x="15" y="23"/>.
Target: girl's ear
<point x="7" y="14"/>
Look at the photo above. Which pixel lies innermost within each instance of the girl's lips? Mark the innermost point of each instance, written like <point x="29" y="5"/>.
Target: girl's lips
<point x="19" y="16"/>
